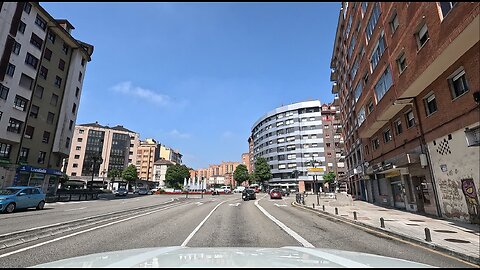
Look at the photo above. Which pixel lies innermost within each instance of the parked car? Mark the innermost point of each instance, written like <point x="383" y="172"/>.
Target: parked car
<point x="19" y="197"/>
<point x="226" y="189"/>
<point x="249" y="194"/>
<point x="255" y="187"/>
<point x="121" y="192"/>
<point x="239" y="189"/>
<point x="144" y="191"/>
<point x="276" y="193"/>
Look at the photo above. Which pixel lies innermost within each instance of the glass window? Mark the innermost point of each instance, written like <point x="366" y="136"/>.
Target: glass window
<point x="26" y="81"/>
<point x="21" y="27"/>
<point x="422" y="36"/>
<point x="402" y="63"/>
<point x="51" y="36"/>
<point x="458" y="83"/>
<point x="430" y="104"/>
<point x="54" y="100"/>
<point x="27" y="8"/>
<point x="16" y="48"/>
<point x="58" y="81"/>
<point x="398" y="126"/>
<point x="410" y="119"/>
<point x="34" y="111"/>
<point x="377" y="52"/>
<point x="446" y="7"/>
<point x="10" y="70"/>
<point x="14" y="125"/>
<point x="36" y="41"/>
<point x="39" y="91"/>
<point x="24" y="154"/>
<point x="41" y="157"/>
<point x="5" y="150"/>
<point x="61" y="64"/>
<point x="4" y="91"/>
<point x="41" y="22"/>
<point x="373" y="20"/>
<point x="387" y="136"/>
<point x="361" y="116"/>
<point x="383" y="84"/>
<point x="20" y="103"/>
<point x="29" y="132"/>
<point x="50" y="117"/>
<point x="394" y="23"/>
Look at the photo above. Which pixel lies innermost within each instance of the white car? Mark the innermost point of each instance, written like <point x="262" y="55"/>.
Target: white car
<point x="239" y="189"/>
<point x="226" y="189"/>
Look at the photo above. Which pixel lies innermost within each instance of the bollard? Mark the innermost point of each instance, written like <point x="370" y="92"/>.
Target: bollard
<point x="354" y="215"/>
<point x="313" y="205"/>
<point x="336" y="211"/>
<point x="382" y="222"/>
<point x="428" y="236"/>
<point x="70" y="197"/>
<point x="323" y="208"/>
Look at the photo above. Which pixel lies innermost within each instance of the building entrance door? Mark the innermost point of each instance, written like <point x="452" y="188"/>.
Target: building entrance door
<point x="398" y="195"/>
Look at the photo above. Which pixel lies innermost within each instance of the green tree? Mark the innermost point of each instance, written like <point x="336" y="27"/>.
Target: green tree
<point x="63" y="179"/>
<point x="130" y="174"/>
<point x="112" y="174"/>
<point x="262" y="170"/>
<point x="175" y="175"/>
<point x="329" y="177"/>
<point x="240" y="174"/>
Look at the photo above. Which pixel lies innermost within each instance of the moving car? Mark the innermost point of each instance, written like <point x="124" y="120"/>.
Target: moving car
<point x="144" y="191"/>
<point x="121" y="192"/>
<point x="18" y="197"/>
<point x="226" y="189"/>
<point x="239" y="189"/>
<point x="255" y="187"/>
<point x="248" y="194"/>
<point x="275" y="193"/>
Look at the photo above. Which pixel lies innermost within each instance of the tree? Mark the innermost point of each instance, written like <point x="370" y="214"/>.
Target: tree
<point x="112" y="174"/>
<point x="130" y="174"/>
<point x="240" y="174"/>
<point x="175" y="175"/>
<point x="262" y="170"/>
<point x="329" y="177"/>
<point x="63" y="179"/>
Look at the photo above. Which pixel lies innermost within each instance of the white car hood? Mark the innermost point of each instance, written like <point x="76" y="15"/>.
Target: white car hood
<point x="231" y="257"/>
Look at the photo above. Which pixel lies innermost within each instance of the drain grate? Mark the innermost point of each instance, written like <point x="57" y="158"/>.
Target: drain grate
<point x="417" y="220"/>
<point x="444" y="231"/>
<point x="412" y="224"/>
<point x="457" y="241"/>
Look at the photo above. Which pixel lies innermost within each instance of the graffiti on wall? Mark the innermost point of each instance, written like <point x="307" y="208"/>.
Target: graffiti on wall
<point x="452" y="199"/>
<point x="468" y="188"/>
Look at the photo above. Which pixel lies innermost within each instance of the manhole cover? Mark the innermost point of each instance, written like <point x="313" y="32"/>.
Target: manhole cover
<point x="457" y="241"/>
<point x="417" y="220"/>
<point x="444" y="231"/>
<point x="411" y="224"/>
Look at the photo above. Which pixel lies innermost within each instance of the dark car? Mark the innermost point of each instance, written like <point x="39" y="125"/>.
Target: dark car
<point x="249" y="194"/>
<point x="276" y="193"/>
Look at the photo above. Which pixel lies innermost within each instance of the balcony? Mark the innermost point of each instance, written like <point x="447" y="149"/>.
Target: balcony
<point x="335" y="88"/>
<point x="333" y="75"/>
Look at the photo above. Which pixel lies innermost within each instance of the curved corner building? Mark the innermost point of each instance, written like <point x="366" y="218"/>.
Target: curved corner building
<point x="289" y="137"/>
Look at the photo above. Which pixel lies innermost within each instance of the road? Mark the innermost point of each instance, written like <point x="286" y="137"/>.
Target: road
<point x="214" y="221"/>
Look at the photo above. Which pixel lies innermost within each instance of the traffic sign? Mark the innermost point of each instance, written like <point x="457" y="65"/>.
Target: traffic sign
<point x="315" y="169"/>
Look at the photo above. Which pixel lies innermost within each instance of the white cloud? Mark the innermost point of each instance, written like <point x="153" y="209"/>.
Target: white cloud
<point x="129" y="89"/>
<point x="177" y="134"/>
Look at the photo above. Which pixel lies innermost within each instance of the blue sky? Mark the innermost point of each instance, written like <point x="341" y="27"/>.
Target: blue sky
<point x="196" y="76"/>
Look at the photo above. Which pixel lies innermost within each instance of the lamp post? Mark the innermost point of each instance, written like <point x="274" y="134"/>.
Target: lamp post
<point x="313" y="162"/>
<point x="95" y="159"/>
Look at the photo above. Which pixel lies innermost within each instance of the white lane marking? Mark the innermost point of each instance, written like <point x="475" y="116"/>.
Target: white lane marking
<point x="74" y="209"/>
<point x="198" y="203"/>
<point x="81" y="232"/>
<point x="295" y="235"/>
<point x="234" y="204"/>
<point x="278" y="205"/>
<point x="199" y="226"/>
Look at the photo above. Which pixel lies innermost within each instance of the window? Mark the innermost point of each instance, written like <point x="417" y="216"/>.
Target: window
<point x="375" y="144"/>
<point x="458" y="83"/>
<point x="80" y="76"/>
<point x="16" y="47"/>
<point x="410" y="119"/>
<point x="43" y="72"/>
<point x="27" y="8"/>
<point x="81" y="131"/>
<point x="430" y="104"/>
<point x="10" y="70"/>
<point x="74" y="174"/>
<point x="398" y="126"/>
<point x="14" y="125"/>
<point x="383" y="84"/>
<point x="41" y="22"/>
<point x="402" y="63"/>
<point x="24" y="154"/>
<point x="291" y="156"/>
<point x="279" y="124"/>
<point x="26" y="81"/>
<point x="77" y="92"/>
<point x="77" y="148"/>
<point x="79" y="139"/>
<point x="83" y="62"/>
<point x="36" y="41"/>
<point x="50" y="118"/>
<point x="48" y="54"/>
<point x="5" y="150"/>
<point x="70" y="126"/>
<point x="46" y="137"/>
<point x="394" y="22"/>
<point x="61" y="64"/>
<point x="377" y="52"/>
<point x="288" y="122"/>
<point x="373" y="20"/>
<point x="422" y="36"/>
<point x="54" y="100"/>
<point x="364" y="7"/>
<point x="292" y="165"/>
<point x="290" y="147"/>
<point x="74" y="108"/>
<point x="67" y="142"/>
<point x="41" y="157"/>
<point x="65" y="48"/>
<point x="4" y="91"/>
<point x="387" y="136"/>
<point x="21" y="27"/>
<point x="281" y="166"/>
<point x="75" y="165"/>
<point x="446" y="7"/>
<point x="51" y="36"/>
<point x="361" y="116"/>
<point x="291" y="138"/>
<point x="354" y="70"/>
<point x="29" y="132"/>
<point x="358" y="91"/>
<point x="58" y="81"/>
<point x="20" y="103"/>
<point x="34" y="111"/>
<point x="39" y="91"/>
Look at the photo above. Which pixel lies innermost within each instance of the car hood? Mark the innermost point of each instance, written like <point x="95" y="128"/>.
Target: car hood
<point x="285" y="257"/>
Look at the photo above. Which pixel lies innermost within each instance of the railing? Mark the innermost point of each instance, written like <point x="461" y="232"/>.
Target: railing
<point x="73" y="195"/>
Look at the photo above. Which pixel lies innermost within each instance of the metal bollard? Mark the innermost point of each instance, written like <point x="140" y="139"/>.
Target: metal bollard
<point x="354" y="215"/>
<point x="382" y="222"/>
<point x="336" y="211"/>
<point x="313" y="205"/>
<point x="428" y="236"/>
<point x="323" y="208"/>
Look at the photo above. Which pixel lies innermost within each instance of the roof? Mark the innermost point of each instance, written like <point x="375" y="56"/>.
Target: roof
<point x="121" y="128"/>
<point x="97" y="125"/>
<point x="163" y="162"/>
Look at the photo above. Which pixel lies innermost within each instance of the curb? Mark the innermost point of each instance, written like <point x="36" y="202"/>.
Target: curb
<point x="433" y="246"/>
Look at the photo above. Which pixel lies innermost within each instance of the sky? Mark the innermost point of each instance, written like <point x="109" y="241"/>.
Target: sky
<point x="196" y="76"/>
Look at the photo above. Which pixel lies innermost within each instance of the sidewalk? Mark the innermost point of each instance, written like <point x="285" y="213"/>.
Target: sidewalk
<point x="457" y="238"/>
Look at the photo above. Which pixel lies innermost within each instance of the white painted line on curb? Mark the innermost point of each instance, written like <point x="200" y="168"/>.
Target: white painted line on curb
<point x="81" y="232"/>
<point x="292" y="233"/>
<point x="199" y="226"/>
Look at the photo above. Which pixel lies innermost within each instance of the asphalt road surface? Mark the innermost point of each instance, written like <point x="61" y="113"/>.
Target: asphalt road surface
<point x="212" y="221"/>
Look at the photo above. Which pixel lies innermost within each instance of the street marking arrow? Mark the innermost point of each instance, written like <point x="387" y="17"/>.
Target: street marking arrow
<point x="280" y="205"/>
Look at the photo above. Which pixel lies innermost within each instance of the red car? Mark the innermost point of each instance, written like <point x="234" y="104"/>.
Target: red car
<point x="275" y="194"/>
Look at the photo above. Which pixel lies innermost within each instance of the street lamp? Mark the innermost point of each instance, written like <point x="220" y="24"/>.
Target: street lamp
<point x="313" y="162"/>
<point x="95" y="159"/>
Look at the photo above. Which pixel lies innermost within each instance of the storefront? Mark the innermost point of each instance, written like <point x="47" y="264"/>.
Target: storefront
<point x="46" y="179"/>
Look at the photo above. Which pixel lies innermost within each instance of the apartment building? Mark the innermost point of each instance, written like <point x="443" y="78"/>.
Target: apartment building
<point x="116" y="146"/>
<point x="250" y="154"/>
<point x="334" y="143"/>
<point x="147" y="153"/>
<point x="42" y="70"/>
<point x="407" y="79"/>
<point x="217" y="174"/>
<point x="246" y="161"/>
<point x="160" y="168"/>
<point x="168" y="153"/>
<point x="289" y="138"/>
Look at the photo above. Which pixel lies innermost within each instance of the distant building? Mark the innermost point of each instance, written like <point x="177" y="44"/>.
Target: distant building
<point x="160" y="170"/>
<point x="148" y="152"/>
<point x="217" y="174"/>
<point x="168" y="153"/>
<point x="246" y="161"/>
